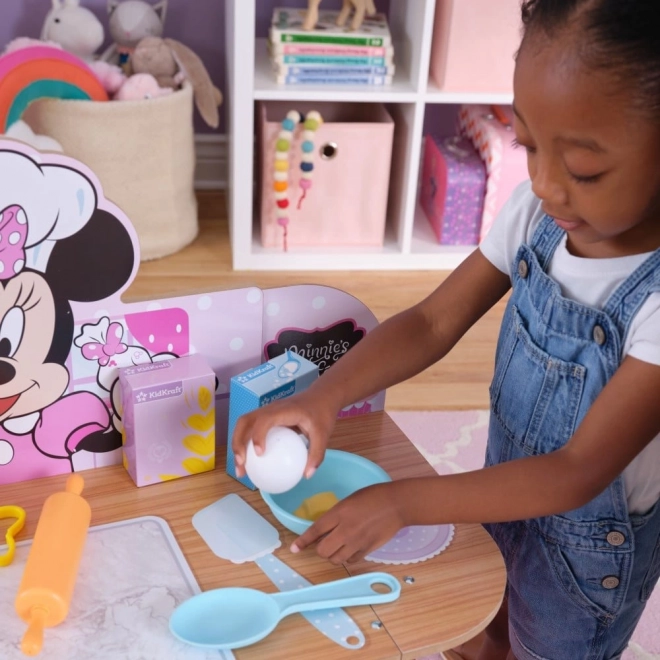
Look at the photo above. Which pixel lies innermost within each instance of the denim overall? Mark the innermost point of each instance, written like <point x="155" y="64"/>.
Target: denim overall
<point x="577" y="582"/>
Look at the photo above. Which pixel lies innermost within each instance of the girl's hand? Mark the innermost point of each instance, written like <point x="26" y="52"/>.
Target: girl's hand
<point x="310" y="414"/>
<point x="355" y="526"/>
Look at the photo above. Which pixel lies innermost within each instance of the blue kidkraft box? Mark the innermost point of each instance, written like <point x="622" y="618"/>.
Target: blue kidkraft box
<point x="278" y="378"/>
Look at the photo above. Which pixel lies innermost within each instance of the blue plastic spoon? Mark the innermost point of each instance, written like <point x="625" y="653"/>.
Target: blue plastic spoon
<point x="231" y="618"/>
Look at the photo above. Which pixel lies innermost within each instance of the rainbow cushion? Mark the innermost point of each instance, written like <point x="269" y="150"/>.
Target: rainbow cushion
<point x="38" y="72"/>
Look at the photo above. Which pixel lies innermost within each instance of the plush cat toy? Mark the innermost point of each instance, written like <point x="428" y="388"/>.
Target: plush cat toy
<point x="129" y="22"/>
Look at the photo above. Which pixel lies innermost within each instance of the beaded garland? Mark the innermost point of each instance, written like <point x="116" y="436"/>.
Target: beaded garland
<point x="281" y="174"/>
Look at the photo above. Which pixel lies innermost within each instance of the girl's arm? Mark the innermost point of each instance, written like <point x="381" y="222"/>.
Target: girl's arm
<point x="395" y="350"/>
<point x="622" y="421"/>
<point x="418" y="337"/>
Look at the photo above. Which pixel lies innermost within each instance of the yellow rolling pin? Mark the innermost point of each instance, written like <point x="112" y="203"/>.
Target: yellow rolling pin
<point x="50" y="573"/>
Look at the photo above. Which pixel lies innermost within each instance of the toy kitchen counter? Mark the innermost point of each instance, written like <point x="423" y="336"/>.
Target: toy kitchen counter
<point x="444" y="601"/>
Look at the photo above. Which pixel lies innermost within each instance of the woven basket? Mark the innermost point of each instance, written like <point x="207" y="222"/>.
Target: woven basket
<point x="143" y="153"/>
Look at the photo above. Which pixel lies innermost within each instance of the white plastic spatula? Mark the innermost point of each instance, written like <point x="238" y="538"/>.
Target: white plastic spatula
<point x="237" y="532"/>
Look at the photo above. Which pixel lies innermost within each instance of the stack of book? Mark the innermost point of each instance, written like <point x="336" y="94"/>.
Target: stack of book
<point x="330" y="54"/>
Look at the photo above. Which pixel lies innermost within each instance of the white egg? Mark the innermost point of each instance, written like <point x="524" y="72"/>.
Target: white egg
<point x="282" y="464"/>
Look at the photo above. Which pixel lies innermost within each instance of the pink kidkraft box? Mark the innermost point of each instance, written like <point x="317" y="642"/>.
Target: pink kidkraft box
<point x="169" y="419"/>
<point x="347" y="203"/>
<point x="490" y="130"/>
<point x="474" y="42"/>
<point x="453" y="188"/>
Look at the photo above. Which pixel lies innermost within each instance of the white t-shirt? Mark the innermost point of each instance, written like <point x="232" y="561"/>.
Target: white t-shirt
<point x="590" y="282"/>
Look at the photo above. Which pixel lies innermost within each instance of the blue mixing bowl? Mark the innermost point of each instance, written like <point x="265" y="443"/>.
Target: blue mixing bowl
<point x="341" y="473"/>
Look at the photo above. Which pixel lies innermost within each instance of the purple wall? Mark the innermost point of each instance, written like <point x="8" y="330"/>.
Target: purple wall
<point x="199" y="24"/>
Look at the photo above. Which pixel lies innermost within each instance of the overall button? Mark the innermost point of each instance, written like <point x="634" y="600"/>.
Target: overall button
<point x="599" y="335"/>
<point x="616" y="538"/>
<point x="523" y="268"/>
<point x="610" y="582"/>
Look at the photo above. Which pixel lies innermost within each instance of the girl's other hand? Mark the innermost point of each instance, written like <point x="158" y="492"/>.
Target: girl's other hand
<point x="356" y="526"/>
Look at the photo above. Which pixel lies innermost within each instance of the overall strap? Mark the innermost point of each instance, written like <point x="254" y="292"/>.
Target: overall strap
<point x="545" y="240"/>
<point x="631" y="294"/>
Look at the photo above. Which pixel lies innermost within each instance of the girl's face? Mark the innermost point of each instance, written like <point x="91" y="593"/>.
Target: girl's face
<point x="593" y="158"/>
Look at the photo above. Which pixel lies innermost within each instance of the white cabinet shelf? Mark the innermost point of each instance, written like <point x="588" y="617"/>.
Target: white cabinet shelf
<point x="409" y="241"/>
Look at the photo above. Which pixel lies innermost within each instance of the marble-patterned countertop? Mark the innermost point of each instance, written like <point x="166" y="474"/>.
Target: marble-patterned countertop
<point x="132" y="575"/>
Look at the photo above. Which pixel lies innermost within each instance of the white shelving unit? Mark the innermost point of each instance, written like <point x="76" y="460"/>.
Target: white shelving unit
<point x="409" y="241"/>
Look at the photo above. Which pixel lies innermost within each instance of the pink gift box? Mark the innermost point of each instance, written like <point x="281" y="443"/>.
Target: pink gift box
<point x="347" y="203"/>
<point x="474" y="42"/>
<point x="453" y="188"/>
<point x="506" y="165"/>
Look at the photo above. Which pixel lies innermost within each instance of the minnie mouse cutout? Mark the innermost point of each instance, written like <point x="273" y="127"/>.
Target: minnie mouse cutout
<point x="56" y="248"/>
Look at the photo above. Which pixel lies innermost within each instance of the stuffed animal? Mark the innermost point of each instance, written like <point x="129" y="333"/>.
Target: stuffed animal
<point x="129" y="22"/>
<point x="170" y="62"/>
<point x="74" y="27"/>
<point x="27" y="42"/>
<point x="22" y="132"/>
<point x="155" y="56"/>
<point x="362" y="8"/>
<point x="110" y="75"/>
<point x="141" y="86"/>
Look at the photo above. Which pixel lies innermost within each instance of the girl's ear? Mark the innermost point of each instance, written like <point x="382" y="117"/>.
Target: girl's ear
<point x="94" y="263"/>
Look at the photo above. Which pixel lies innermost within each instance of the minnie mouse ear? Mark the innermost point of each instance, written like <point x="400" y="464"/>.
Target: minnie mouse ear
<point x="94" y="263"/>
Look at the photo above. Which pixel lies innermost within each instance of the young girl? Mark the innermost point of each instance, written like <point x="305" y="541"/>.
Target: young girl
<point x="572" y="479"/>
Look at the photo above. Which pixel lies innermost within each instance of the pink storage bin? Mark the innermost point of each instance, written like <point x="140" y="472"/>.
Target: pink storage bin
<point x="474" y="42"/>
<point x="347" y="203"/>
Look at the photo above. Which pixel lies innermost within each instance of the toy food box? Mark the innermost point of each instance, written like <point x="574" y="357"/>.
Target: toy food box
<point x="280" y="377"/>
<point x="169" y="419"/>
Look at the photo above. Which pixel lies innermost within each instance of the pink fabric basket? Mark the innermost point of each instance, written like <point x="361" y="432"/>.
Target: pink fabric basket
<point x="347" y="203"/>
<point x="474" y="42"/>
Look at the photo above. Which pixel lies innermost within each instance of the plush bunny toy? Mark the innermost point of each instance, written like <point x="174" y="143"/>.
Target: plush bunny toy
<point x="75" y="28"/>
<point x="170" y="62"/>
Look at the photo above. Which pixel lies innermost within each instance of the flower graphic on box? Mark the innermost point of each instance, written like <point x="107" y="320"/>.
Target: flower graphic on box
<point x="159" y="451"/>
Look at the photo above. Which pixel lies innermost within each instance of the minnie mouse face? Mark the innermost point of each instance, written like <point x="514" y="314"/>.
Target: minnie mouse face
<point x="27" y="323"/>
<point x="56" y="247"/>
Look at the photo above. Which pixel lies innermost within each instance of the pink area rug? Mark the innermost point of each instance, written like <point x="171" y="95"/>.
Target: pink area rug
<point x="455" y="442"/>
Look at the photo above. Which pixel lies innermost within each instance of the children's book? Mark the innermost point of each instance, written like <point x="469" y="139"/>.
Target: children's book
<point x="332" y="61"/>
<point x="333" y="71"/>
<point x="320" y="79"/>
<point x="280" y="49"/>
<point x="286" y="27"/>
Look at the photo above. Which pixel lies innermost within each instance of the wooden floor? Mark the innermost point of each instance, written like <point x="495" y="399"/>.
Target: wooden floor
<point x="460" y="381"/>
